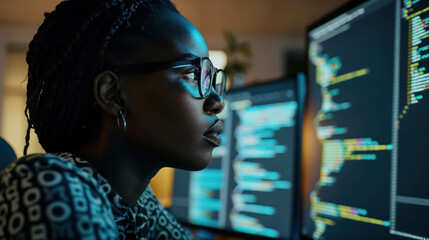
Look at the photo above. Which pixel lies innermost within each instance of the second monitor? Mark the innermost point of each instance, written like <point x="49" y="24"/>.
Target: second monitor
<point x="250" y="185"/>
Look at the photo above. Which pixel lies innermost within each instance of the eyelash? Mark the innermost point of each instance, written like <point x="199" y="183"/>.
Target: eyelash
<point x="191" y="71"/>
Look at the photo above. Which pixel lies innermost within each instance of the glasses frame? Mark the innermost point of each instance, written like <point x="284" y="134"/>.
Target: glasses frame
<point x="157" y="66"/>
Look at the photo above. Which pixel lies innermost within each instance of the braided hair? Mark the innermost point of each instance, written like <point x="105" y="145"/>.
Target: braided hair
<point x="64" y="56"/>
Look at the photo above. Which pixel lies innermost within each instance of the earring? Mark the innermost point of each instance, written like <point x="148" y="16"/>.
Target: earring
<point x="122" y="123"/>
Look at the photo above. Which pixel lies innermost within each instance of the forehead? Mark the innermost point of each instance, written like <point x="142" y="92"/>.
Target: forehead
<point x="167" y="36"/>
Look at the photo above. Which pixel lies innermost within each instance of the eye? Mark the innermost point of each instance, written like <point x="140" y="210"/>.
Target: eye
<point x="191" y="76"/>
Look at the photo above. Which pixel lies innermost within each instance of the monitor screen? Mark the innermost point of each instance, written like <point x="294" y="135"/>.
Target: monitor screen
<point x="365" y="145"/>
<point x="249" y="187"/>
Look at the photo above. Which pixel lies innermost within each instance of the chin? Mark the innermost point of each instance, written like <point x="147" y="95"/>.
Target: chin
<point x="199" y="168"/>
<point x="195" y="163"/>
<point x="199" y="165"/>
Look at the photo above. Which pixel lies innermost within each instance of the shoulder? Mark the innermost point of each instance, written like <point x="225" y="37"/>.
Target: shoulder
<point x="50" y="195"/>
<point x="163" y="224"/>
<point x="48" y="169"/>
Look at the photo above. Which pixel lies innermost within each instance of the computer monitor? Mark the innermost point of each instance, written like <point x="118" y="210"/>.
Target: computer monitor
<point x="250" y="186"/>
<point x="365" y="134"/>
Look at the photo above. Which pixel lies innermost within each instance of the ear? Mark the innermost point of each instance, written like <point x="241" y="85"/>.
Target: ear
<point x="107" y="92"/>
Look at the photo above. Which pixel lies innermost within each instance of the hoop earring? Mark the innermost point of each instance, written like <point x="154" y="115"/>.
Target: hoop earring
<point x="122" y="123"/>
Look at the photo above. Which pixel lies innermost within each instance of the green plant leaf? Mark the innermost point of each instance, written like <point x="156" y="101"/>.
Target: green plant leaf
<point x="231" y="42"/>
<point x="245" y="49"/>
<point x="236" y="67"/>
<point x="233" y="49"/>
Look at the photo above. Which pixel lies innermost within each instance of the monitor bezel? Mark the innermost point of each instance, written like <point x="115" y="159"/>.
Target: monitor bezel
<point x="299" y="88"/>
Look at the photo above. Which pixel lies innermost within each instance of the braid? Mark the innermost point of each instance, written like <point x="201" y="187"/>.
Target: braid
<point x="64" y="56"/>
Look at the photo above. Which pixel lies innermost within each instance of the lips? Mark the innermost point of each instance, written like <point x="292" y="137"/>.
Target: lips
<point x="213" y="134"/>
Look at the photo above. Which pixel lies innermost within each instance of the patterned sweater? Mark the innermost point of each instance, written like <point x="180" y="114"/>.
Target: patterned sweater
<point x="60" y="196"/>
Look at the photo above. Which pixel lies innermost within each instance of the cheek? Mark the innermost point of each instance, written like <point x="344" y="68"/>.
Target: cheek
<point x="170" y="121"/>
<point x="181" y="120"/>
<point x="174" y="111"/>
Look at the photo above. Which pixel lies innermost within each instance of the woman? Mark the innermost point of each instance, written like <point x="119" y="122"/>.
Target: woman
<point x="116" y="91"/>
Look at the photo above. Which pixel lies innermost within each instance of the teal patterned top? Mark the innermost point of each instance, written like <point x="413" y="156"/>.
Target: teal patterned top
<point x="60" y="196"/>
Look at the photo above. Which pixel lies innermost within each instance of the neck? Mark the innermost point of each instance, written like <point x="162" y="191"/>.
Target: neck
<point x="128" y="174"/>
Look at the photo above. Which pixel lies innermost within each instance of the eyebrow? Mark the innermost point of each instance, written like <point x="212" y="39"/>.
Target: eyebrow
<point x="187" y="56"/>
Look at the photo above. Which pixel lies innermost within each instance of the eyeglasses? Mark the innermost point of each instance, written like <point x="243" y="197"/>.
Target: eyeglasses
<point x="204" y="78"/>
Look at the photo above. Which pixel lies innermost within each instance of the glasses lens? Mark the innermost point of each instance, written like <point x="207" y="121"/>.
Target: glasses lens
<point x="206" y="74"/>
<point x="220" y="83"/>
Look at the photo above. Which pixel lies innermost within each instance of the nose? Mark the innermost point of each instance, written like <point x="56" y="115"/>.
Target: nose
<point x="214" y="103"/>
